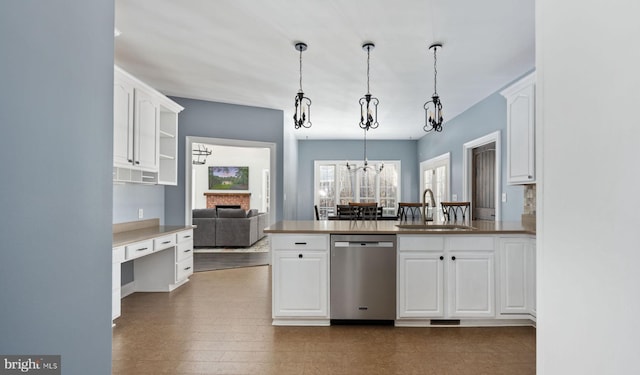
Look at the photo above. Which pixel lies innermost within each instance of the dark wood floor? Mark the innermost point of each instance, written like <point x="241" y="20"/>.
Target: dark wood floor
<point x="220" y="261"/>
<point x="220" y="323"/>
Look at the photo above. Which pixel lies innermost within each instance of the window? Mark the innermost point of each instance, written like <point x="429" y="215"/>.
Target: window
<point x="335" y="184"/>
<point x="435" y="176"/>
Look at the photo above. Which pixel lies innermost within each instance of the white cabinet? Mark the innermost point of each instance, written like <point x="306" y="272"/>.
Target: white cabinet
<point x="517" y="276"/>
<point x="521" y="131"/>
<point x="117" y="259"/>
<point x="300" y="279"/>
<point x="445" y="277"/>
<point x="145" y="132"/>
<point x="184" y="256"/>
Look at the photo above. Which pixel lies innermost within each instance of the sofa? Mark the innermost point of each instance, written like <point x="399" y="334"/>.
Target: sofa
<point x="227" y="227"/>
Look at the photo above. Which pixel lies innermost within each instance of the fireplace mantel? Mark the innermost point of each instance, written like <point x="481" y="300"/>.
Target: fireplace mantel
<point x="242" y="199"/>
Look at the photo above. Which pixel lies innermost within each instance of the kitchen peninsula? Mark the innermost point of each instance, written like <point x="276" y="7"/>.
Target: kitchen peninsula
<point x="474" y="274"/>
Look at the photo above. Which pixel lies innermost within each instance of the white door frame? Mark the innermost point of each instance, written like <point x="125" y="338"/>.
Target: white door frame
<point x="190" y="140"/>
<point x="467" y="172"/>
<point x="440" y="159"/>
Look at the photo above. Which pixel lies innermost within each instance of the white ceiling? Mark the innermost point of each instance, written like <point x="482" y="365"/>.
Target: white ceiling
<point x="242" y="52"/>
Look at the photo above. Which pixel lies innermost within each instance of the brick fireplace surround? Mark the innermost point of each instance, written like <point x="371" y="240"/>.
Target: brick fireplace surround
<point x="242" y="199"/>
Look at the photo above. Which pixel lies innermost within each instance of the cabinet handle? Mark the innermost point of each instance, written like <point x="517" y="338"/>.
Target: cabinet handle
<point x="142" y="249"/>
<point x="441" y="257"/>
<point x="530" y="177"/>
<point x="187" y="269"/>
<point x="137" y="162"/>
<point x="300" y="243"/>
<point x="186" y="251"/>
<point x="130" y="160"/>
<point x="453" y="258"/>
<point x="165" y="242"/>
<point x="186" y="237"/>
<point x="299" y="255"/>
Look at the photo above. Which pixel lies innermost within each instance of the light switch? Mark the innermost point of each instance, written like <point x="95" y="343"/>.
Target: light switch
<point x="504" y="197"/>
<point x="140" y="213"/>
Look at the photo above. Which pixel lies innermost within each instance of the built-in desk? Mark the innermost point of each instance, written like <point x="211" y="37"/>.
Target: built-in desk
<point x="162" y="257"/>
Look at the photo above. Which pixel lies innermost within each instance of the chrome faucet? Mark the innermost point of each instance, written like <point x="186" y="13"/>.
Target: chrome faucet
<point x="424" y="204"/>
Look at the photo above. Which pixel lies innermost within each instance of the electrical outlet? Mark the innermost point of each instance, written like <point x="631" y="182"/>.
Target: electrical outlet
<point x="454" y="197"/>
<point x="504" y="197"/>
<point x="140" y="213"/>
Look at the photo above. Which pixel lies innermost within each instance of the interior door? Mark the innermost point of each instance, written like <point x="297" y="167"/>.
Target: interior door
<point x="484" y="169"/>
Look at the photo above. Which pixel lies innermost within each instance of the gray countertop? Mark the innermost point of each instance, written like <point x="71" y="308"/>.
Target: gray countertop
<point x="131" y="236"/>
<point x="389" y="227"/>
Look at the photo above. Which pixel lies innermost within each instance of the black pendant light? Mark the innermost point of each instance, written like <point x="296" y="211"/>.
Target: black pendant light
<point x="368" y="103"/>
<point x="433" y="108"/>
<point x="302" y="113"/>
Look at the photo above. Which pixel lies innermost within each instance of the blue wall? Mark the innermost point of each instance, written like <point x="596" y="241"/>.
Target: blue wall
<point x="56" y="149"/>
<point x="485" y="117"/>
<point x="311" y="150"/>
<point x="219" y="120"/>
<point x="128" y="198"/>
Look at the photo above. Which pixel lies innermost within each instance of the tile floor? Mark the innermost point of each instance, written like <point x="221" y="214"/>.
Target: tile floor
<point x="219" y="323"/>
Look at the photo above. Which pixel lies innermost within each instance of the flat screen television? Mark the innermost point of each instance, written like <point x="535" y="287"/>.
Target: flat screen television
<point x="228" y="178"/>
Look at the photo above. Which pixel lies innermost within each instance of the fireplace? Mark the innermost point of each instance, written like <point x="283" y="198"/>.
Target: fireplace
<point x="241" y="199"/>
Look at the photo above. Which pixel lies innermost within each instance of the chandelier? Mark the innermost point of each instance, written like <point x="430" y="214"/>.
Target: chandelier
<point x="200" y="155"/>
<point x="368" y="104"/>
<point x="302" y="113"/>
<point x="365" y="167"/>
<point x="433" y="108"/>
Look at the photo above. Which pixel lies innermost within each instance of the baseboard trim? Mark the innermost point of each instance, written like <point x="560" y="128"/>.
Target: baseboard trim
<point x="127" y="289"/>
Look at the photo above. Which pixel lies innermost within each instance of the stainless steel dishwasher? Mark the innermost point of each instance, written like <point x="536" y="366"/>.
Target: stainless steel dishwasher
<point x="363" y="277"/>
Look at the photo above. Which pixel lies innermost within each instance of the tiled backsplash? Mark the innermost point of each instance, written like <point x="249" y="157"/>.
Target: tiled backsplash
<point x="529" y="199"/>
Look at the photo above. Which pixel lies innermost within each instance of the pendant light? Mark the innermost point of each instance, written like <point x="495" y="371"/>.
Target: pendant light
<point x="433" y="108"/>
<point x="302" y="112"/>
<point x="368" y="104"/>
<point x="365" y="167"/>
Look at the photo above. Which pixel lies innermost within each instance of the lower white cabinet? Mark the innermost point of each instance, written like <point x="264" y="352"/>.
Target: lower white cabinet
<point x="300" y="278"/>
<point x="517" y="276"/>
<point x="441" y="277"/>
<point x="117" y="259"/>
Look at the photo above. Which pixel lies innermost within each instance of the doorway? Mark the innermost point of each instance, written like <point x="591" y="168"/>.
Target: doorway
<point x="482" y="185"/>
<point x="481" y="177"/>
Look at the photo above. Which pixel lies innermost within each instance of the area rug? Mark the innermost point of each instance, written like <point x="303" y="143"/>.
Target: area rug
<point x="262" y="246"/>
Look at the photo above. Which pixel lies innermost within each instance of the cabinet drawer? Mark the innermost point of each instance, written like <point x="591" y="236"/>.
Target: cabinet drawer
<point x="300" y="242"/>
<point x="164" y="242"/>
<point x="138" y="249"/>
<point x="470" y="243"/>
<point x="184" y="250"/>
<point x="186" y="235"/>
<point x="420" y="243"/>
<point x="183" y="269"/>
<point x="118" y="254"/>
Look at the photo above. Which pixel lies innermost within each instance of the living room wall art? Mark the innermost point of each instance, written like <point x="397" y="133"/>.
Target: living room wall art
<point x="228" y="178"/>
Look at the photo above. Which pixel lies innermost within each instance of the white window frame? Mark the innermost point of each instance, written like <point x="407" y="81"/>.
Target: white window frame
<point x="433" y="163"/>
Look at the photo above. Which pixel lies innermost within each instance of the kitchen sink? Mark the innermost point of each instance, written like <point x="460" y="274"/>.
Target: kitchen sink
<point x="435" y="226"/>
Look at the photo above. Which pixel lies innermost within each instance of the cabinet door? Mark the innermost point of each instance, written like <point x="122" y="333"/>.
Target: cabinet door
<point x="420" y="285"/>
<point x="146" y="132"/>
<point x="470" y="284"/>
<point x="122" y="123"/>
<point x="514" y="273"/>
<point x="300" y="284"/>
<point x="521" y="136"/>
<point x="531" y="279"/>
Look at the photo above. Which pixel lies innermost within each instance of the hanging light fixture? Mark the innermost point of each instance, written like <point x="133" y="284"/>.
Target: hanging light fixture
<point x="368" y="104"/>
<point x="200" y="155"/>
<point x="302" y="113"/>
<point x="365" y="167"/>
<point x="433" y="108"/>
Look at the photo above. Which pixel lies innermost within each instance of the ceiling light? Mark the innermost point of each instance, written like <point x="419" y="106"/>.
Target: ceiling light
<point x="368" y="104"/>
<point x="365" y="167"/>
<point x="302" y="113"/>
<point x="433" y="108"/>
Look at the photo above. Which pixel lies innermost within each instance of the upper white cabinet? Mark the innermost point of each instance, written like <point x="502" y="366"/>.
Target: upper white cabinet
<point x="521" y="131"/>
<point x="144" y="133"/>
